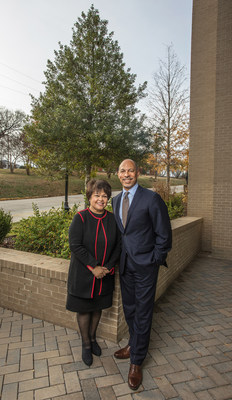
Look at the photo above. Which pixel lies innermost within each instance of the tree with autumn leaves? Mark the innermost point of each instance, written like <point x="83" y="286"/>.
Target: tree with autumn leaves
<point x="169" y="115"/>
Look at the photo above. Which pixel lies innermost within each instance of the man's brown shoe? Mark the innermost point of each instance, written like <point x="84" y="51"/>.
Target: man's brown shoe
<point x="135" y="376"/>
<point x="123" y="353"/>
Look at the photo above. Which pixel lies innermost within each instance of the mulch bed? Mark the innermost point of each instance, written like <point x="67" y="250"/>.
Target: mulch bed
<point x="8" y="242"/>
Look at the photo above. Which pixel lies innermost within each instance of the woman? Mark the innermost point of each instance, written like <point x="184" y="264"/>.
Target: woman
<point x="94" y="241"/>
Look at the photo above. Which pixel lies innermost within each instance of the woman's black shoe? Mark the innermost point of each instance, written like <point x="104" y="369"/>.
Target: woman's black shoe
<point x="96" y="349"/>
<point x="87" y="356"/>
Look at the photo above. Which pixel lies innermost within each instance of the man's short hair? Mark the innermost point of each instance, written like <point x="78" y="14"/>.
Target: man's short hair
<point x="128" y="159"/>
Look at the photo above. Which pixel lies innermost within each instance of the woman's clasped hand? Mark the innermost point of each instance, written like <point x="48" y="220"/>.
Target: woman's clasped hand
<point x="99" y="272"/>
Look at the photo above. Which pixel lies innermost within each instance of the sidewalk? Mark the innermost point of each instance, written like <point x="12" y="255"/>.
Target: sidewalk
<point x="190" y="353"/>
<point x="23" y="208"/>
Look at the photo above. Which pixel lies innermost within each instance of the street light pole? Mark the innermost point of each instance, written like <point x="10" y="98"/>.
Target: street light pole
<point x="66" y="206"/>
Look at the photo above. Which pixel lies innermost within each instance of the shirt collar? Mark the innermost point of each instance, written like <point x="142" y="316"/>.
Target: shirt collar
<point x="132" y="190"/>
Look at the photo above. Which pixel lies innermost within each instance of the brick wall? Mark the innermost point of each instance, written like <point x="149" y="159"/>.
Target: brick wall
<point x="222" y="200"/>
<point x="210" y="176"/>
<point x="36" y="285"/>
<point x="186" y="243"/>
<point x="202" y="110"/>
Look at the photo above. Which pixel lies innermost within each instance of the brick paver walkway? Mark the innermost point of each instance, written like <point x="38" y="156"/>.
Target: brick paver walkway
<point x="190" y="354"/>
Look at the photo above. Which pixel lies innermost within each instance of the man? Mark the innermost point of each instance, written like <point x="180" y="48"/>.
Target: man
<point x="144" y="223"/>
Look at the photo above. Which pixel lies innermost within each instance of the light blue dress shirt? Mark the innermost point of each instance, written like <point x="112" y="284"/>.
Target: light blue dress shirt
<point x="130" y="197"/>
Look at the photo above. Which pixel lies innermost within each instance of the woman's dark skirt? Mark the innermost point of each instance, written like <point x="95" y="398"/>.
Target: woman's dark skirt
<point x="78" y="304"/>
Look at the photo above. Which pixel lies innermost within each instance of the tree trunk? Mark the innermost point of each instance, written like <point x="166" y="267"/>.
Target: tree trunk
<point x="87" y="174"/>
<point x="168" y="166"/>
<point x="87" y="179"/>
<point x="28" y="169"/>
<point x="168" y="145"/>
<point x="11" y="168"/>
<point x="168" y="178"/>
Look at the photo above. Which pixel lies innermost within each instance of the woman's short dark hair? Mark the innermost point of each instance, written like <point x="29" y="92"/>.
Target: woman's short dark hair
<point x="97" y="185"/>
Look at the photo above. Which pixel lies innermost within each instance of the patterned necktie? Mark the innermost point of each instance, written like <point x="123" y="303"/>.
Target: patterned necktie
<point x="125" y="208"/>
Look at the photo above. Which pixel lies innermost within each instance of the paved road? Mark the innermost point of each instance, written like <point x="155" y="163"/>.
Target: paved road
<point x="23" y="208"/>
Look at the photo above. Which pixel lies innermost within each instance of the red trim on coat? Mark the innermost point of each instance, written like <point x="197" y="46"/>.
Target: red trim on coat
<point x="96" y="238"/>
<point x="97" y="217"/>
<point x="100" y="288"/>
<point x="88" y="266"/>
<point x="81" y="216"/>
<point x="103" y="260"/>
<point x="93" y="287"/>
<point x="112" y="271"/>
<point x="104" y="256"/>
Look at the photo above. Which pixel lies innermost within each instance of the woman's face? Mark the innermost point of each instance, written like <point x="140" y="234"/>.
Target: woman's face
<point x="98" y="201"/>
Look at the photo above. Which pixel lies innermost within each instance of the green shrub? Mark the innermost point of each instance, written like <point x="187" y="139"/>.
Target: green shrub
<point x="5" y="224"/>
<point x="175" y="206"/>
<point x="46" y="232"/>
<point x="175" y="202"/>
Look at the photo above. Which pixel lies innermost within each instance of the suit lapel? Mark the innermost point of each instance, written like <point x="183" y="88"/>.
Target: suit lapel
<point x="117" y="206"/>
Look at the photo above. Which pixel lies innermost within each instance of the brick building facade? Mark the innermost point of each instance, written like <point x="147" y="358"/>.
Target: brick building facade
<point x="210" y="170"/>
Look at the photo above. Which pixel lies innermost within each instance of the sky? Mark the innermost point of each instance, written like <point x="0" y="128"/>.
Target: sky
<point x="31" y="29"/>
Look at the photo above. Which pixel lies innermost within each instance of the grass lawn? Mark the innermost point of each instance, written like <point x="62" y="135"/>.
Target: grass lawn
<point x="18" y="185"/>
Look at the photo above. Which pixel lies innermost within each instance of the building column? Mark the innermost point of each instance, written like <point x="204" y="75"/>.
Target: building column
<point x="210" y="169"/>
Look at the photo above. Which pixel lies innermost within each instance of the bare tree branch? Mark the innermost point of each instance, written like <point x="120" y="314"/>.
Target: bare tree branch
<point x="11" y="143"/>
<point x="168" y="107"/>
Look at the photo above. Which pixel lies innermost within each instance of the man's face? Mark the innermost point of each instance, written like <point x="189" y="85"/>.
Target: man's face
<point x="127" y="174"/>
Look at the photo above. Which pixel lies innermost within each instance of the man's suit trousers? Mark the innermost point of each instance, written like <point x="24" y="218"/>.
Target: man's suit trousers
<point x="138" y="287"/>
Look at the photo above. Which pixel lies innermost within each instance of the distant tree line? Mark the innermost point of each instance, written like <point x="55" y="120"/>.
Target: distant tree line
<point x="12" y="138"/>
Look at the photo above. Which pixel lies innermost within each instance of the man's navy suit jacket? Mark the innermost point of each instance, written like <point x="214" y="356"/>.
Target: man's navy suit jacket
<point x="147" y="236"/>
